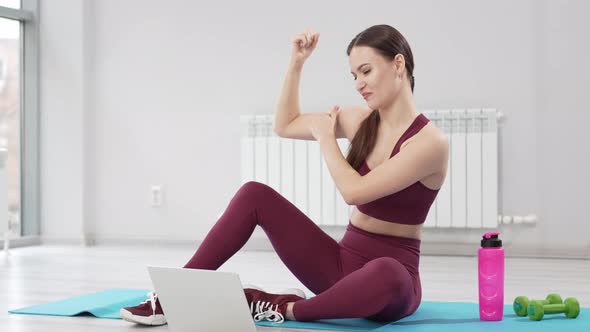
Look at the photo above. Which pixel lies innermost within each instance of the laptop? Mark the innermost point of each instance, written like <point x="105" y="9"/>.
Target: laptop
<point x="202" y="300"/>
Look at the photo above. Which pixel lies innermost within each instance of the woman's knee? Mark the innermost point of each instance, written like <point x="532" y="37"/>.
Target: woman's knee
<point x="255" y="192"/>
<point x="254" y="188"/>
<point x="384" y="264"/>
<point x="388" y="272"/>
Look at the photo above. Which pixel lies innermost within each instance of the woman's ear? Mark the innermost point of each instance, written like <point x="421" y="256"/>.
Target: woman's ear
<point x="400" y="63"/>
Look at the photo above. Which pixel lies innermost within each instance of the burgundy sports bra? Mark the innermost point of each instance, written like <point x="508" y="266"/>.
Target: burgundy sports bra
<point x="408" y="206"/>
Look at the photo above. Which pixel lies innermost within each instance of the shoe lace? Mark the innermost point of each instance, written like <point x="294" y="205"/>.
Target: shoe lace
<point x="265" y="310"/>
<point x="152" y="297"/>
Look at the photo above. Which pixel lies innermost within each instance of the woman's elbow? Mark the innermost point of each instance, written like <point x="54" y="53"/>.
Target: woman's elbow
<point x="350" y="199"/>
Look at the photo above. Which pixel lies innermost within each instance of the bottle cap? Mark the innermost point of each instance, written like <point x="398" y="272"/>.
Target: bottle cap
<point x="491" y="239"/>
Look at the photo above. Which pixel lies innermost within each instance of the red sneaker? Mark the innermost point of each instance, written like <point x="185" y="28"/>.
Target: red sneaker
<point x="148" y="312"/>
<point x="271" y="307"/>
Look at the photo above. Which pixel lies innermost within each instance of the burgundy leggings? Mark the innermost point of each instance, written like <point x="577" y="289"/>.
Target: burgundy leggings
<point x="365" y="275"/>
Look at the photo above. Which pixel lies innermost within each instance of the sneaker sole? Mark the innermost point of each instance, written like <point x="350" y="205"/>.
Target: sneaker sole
<point x="153" y="320"/>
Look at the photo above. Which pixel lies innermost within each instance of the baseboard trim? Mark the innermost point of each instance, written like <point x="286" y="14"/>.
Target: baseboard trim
<point x="24" y="241"/>
<point x="62" y="240"/>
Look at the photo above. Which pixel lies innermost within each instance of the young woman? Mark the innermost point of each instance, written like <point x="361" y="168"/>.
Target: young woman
<point x="395" y="166"/>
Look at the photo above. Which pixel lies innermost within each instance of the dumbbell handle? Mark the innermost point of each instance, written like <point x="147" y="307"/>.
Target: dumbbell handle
<point x="554" y="308"/>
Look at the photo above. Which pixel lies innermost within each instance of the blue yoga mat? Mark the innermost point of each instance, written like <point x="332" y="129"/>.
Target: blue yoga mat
<point x="450" y="317"/>
<point x="462" y="316"/>
<point x="105" y="304"/>
<point x="442" y="316"/>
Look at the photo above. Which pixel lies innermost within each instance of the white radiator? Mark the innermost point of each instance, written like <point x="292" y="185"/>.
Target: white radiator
<point x="296" y="169"/>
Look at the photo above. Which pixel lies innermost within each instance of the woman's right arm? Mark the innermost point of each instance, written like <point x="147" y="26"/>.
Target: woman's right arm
<point x="289" y="122"/>
<point x="302" y="45"/>
<point x="288" y="105"/>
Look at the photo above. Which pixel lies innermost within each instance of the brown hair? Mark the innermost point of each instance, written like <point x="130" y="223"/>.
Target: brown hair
<point x="388" y="42"/>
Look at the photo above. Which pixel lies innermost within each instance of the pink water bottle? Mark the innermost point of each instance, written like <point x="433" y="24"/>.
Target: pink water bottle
<point x="490" y="259"/>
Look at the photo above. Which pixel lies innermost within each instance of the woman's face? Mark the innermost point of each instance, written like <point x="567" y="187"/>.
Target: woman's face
<point x="376" y="78"/>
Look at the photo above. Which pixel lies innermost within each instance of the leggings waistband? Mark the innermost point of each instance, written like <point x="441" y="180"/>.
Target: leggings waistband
<point x="395" y="240"/>
<point x="370" y="246"/>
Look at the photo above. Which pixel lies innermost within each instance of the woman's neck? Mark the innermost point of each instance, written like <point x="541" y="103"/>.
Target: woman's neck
<point x="400" y="114"/>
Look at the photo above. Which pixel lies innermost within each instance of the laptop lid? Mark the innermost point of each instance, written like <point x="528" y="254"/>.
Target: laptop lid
<point x="202" y="300"/>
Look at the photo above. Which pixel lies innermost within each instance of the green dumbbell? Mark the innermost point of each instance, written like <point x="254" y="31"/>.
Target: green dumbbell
<point x="570" y="307"/>
<point x="521" y="303"/>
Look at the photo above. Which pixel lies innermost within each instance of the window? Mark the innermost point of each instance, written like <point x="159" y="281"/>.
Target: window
<point x="9" y="123"/>
<point x="19" y="144"/>
<point x="10" y="3"/>
<point x="2" y="74"/>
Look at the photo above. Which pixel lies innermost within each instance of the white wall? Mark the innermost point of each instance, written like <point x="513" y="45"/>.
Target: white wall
<point x="63" y="77"/>
<point x="136" y="93"/>
<point x="562" y="100"/>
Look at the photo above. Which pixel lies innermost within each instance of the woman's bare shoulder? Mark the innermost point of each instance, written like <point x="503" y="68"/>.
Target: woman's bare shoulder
<point x="429" y="133"/>
<point x="351" y="117"/>
<point x="434" y="132"/>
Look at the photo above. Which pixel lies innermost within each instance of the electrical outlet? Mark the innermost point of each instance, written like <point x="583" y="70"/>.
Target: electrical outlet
<point x="157" y="194"/>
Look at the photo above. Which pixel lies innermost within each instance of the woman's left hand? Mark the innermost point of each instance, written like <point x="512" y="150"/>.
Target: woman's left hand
<point x="325" y="127"/>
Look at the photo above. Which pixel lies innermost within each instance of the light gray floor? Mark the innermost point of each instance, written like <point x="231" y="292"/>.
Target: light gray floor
<point x="40" y="274"/>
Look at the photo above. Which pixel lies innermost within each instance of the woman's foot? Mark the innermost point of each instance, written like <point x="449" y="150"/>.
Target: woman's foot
<point x="271" y="307"/>
<point x="148" y="312"/>
<point x="263" y="306"/>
